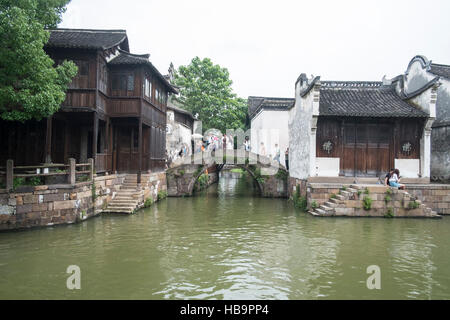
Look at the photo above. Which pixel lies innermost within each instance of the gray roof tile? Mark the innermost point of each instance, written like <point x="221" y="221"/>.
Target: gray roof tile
<point x="87" y="39"/>
<point x="268" y="103"/>
<point x="440" y="70"/>
<point x="363" y="99"/>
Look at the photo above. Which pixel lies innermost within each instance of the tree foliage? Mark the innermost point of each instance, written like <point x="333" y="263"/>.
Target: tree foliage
<point x="205" y="89"/>
<point x="30" y="86"/>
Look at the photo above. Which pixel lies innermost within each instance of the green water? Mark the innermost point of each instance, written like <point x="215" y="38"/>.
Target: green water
<point x="228" y="244"/>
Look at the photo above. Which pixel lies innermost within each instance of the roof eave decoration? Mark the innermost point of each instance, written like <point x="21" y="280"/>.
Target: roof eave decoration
<point x="305" y="91"/>
<point x="415" y="93"/>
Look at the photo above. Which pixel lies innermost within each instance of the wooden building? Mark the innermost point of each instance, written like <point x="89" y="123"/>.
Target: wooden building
<point x="359" y="129"/>
<point x="114" y="111"/>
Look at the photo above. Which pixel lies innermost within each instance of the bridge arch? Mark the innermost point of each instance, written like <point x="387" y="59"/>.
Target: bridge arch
<point x="270" y="177"/>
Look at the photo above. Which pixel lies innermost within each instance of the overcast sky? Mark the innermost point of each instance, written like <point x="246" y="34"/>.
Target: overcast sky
<point x="267" y="44"/>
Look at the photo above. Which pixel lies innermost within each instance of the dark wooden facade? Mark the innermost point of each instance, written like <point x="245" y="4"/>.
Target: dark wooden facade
<point x="113" y="112"/>
<point x="368" y="146"/>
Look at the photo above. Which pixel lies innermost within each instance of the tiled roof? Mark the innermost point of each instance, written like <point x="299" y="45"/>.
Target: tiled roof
<point x="440" y="70"/>
<point x="87" y="39"/>
<point x="172" y="106"/>
<point x="126" y="58"/>
<point x="363" y="99"/>
<point x="257" y="103"/>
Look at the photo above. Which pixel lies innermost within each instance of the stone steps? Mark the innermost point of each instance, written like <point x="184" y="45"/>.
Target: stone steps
<point x="125" y="200"/>
<point x="338" y="203"/>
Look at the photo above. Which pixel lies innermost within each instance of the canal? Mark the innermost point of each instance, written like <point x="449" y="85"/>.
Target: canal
<point x="228" y="243"/>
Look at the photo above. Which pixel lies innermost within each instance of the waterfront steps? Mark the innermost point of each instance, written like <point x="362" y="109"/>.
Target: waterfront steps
<point x="365" y="200"/>
<point x="126" y="199"/>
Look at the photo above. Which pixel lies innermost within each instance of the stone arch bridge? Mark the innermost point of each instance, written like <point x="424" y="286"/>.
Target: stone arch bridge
<point x="270" y="177"/>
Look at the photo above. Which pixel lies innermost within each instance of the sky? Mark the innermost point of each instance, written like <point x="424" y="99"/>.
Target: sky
<point x="266" y="45"/>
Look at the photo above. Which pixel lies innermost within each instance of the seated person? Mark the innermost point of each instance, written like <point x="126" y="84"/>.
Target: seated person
<point x="388" y="176"/>
<point x="395" y="179"/>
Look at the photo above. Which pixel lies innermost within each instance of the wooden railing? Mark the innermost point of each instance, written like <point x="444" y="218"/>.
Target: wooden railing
<point x="67" y="172"/>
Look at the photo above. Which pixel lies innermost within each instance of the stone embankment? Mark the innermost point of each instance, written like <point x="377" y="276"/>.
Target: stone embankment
<point x="365" y="201"/>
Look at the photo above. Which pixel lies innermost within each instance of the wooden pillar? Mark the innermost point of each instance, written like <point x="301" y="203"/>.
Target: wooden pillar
<point x="66" y="141"/>
<point x="9" y="174"/>
<point x="140" y="150"/>
<point x="71" y="173"/>
<point x="95" y="136"/>
<point x="108" y="144"/>
<point x="48" y="141"/>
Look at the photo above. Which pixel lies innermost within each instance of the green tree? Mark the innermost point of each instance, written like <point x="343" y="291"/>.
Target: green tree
<point x="30" y="86"/>
<point x="205" y="89"/>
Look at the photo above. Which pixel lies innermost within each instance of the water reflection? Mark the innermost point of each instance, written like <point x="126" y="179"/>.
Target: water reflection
<point x="225" y="243"/>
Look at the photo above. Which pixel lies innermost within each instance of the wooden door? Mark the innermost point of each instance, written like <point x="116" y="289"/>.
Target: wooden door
<point x="367" y="149"/>
<point x="348" y="156"/>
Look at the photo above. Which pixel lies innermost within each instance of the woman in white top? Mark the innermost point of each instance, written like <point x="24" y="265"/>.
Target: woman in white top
<point x="395" y="179"/>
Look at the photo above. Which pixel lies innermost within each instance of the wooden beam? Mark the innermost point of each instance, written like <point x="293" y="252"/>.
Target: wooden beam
<point x="140" y="150"/>
<point x="95" y="136"/>
<point x="48" y="141"/>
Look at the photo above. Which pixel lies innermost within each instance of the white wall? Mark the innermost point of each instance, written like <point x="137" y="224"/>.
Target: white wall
<point x="409" y="168"/>
<point x="327" y="167"/>
<point x="270" y="127"/>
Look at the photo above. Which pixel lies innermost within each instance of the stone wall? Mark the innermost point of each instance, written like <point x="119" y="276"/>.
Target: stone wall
<point x="348" y="200"/>
<point x="50" y="205"/>
<point x="435" y="196"/>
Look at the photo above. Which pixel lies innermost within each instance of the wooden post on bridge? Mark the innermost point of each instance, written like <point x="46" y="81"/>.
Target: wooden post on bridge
<point x="9" y="175"/>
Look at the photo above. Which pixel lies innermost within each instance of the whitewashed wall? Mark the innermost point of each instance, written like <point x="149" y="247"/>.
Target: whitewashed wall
<point x="270" y="127"/>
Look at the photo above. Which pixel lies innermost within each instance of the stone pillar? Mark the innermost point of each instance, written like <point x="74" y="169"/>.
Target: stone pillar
<point x="425" y="150"/>
<point x="9" y="174"/>
<point x="91" y="169"/>
<point x="312" y="148"/>
<point x="72" y="173"/>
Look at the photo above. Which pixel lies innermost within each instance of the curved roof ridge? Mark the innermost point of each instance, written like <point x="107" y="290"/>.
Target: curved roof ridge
<point x="89" y="30"/>
<point x="144" y="55"/>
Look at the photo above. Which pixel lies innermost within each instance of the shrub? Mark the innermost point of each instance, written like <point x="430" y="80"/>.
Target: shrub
<point x="314" y="204"/>
<point x="148" y="202"/>
<point x="202" y="181"/>
<point x="94" y="192"/>
<point x="413" y="205"/>
<point x="162" y="195"/>
<point x="333" y="196"/>
<point x="17" y="182"/>
<point x="282" y="175"/>
<point x="389" y="213"/>
<point x="299" y="201"/>
<point x="344" y="188"/>
<point x="366" y="191"/>
<point x="35" y="181"/>
<point x="387" y="198"/>
<point x="181" y="172"/>
<point x="389" y="191"/>
<point x="367" y="203"/>
<point x="359" y="192"/>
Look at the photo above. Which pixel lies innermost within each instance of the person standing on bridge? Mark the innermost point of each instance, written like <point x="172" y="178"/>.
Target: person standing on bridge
<point x="277" y="153"/>
<point x="286" y="158"/>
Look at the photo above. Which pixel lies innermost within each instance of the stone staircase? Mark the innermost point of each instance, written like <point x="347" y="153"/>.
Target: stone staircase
<point x="126" y="200"/>
<point x="349" y="203"/>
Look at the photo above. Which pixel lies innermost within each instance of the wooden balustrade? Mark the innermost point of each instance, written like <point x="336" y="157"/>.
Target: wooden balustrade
<point x="45" y="171"/>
